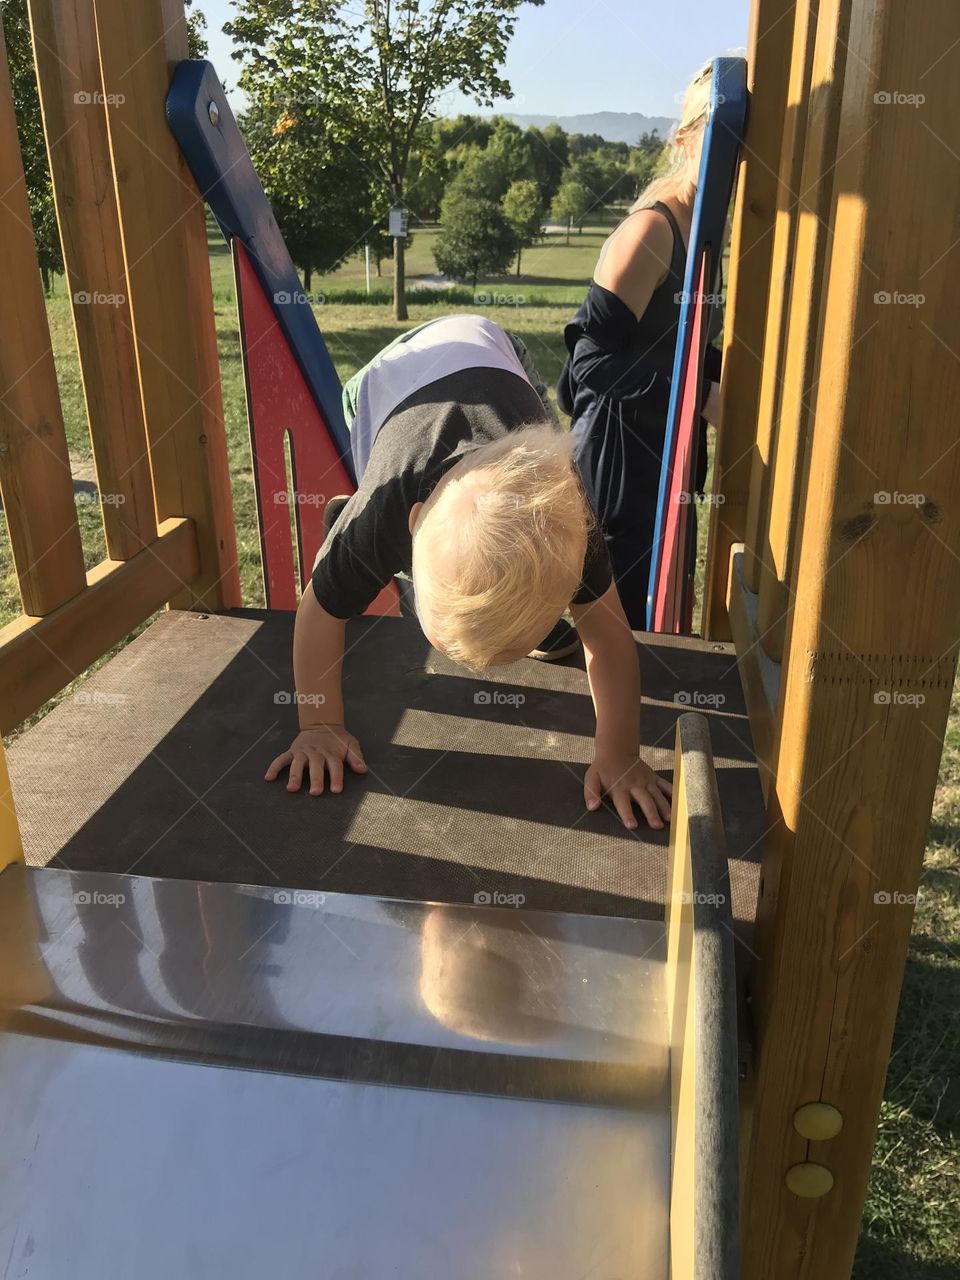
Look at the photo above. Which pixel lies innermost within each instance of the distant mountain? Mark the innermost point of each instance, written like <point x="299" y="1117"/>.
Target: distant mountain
<point x="615" y="126"/>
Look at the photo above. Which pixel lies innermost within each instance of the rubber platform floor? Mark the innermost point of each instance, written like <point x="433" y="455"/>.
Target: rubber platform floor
<point x="155" y="765"/>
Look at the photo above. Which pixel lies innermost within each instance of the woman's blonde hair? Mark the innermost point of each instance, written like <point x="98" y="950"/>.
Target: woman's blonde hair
<point x="499" y="547"/>
<point x="678" y="168"/>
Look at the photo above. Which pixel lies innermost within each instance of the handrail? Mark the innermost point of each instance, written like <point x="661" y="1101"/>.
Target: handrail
<point x="702" y="1021"/>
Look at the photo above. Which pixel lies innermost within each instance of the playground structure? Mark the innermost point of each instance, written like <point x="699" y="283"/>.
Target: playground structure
<point x="613" y="988"/>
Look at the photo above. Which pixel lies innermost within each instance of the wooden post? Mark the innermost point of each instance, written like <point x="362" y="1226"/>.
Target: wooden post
<point x="801" y="339"/>
<point x="11" y="846"/>
<point x="771" y="38"/>
<point x="168" y="279"/>
<point x="35" y="477"/>
<point x="75" y="123"/>
<point x="781" y="282"/>
<point x="871" y="651"/>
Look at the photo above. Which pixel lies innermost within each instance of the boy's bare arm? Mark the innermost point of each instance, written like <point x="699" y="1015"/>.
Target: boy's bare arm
<point x="614" y="675"/>
<point x="323" y="742"/>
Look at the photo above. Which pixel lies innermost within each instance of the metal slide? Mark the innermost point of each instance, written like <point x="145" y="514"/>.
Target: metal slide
<point x="205" y="1080"/>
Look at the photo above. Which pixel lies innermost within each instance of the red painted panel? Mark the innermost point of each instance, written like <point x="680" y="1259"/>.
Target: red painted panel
<point x="279" y="404"/>
<point x="673" y="604"/>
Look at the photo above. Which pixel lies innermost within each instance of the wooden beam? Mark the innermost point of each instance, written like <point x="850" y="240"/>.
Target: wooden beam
<point x="40" y="656"/>
<point x="801" y="342"/>
<point x="781" y="283"/>
<point x="759" y="676"/>
<point x="35" y="479"/>
<point x="161" y="219"/>
<point x="75" y="124"/>
<point x="751" y="247"/>
<point x="11" y="846"/>
<point x="871" y="653"/>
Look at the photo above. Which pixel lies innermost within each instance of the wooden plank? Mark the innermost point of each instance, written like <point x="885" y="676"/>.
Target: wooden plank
<point x="781" y="282"/>
<point x="816" y="197"/>
<point x="11" y="846"/>
<point x="35" y="479"/>
<point x="759" y="676"/>
<point x="74" y="120"/>
<point x="771" y="35"/>
<point x="204" y="332"/>
<point x="39" y="656"/>
<point x="871" y="652"/>
<point x="164" y="243"/>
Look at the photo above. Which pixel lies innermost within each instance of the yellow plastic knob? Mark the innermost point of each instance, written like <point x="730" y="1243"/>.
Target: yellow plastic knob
<point x="809" y="1180"/>
<point x="817" y="1121"/>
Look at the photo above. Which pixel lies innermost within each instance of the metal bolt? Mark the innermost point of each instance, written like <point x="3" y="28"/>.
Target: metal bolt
<point x="213" y="111"/>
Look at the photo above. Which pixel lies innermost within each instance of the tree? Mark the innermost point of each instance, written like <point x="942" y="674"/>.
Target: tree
<point x="571" y="203"/>
<point x="378" y="68"/>
<point x="26" y="105"/>
<point x="474" y="238"/>
<point x="643" y="161"/>
<point x="319" y="189"/>
<point x="549" y="153"/>
<point x="196" y="26"/>
<point x="523" y="211"/>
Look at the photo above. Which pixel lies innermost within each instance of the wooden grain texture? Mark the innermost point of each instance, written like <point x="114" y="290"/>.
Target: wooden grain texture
<point x="803" y="325"/>
<point x="35" y="479"/>
<point x="75" y="124"/>
<point x="39" y="656"/>
<point x="11" y="846"/>
<point x="871" y="651"/>
<point x="204" y="333"/>
<point x="781" y="282"/>
<point x="701" y="1021"/>
<point x="751" y="247"/>
<point x="164" y="243"/>
<point x="759" y="676"/>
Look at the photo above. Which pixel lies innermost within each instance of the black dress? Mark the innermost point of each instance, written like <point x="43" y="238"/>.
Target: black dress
<point x="615" y="385"/>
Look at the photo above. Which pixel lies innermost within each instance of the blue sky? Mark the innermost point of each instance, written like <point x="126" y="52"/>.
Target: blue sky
<point x="573" y="56"/>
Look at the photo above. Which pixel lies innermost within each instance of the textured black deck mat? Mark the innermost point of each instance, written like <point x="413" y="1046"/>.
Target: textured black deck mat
<point x="156" y="766"/>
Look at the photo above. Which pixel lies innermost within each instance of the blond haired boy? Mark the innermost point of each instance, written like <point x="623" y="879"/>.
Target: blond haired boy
<point x="465" y="481"/>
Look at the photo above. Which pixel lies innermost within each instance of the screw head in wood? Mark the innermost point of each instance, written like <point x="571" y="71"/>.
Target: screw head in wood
<point x="817" y="1121"/>
<point x="809" y="1180"/>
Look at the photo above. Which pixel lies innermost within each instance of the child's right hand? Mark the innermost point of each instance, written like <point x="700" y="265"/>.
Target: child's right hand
<point x="318" y="752"/>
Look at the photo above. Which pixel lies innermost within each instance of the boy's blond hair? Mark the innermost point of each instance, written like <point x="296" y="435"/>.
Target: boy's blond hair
<point x="499" y="547"/>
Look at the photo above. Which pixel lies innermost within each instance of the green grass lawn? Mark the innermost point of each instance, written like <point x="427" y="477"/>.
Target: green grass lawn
<point x="911" y="1227"/>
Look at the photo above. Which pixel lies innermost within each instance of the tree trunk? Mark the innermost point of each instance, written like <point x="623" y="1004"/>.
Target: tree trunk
<point x="569" y="225"/>
<point x="399" y="281"/>
<point x="45" y="277"/>
<point x="519" y="252"/>
<point x="307" y="277"/>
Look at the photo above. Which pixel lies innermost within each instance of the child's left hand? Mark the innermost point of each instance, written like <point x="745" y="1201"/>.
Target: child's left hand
<point x="625" y="779"/>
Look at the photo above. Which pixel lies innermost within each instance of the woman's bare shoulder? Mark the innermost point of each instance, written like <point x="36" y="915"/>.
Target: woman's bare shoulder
<point x="636" y="258"/>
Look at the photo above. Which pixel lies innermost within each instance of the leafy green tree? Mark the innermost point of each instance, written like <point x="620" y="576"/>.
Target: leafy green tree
<point x="642" y="162"/>
<point x="378" y="68"/>
<point x="571" y="203"/>
<point x="475" y="239"/>
<point x="523" y="210"/>
<point x="26" y="105"/>
<point x="549" y="154"/>
<point x="319" y="189"/>
<point x="196" y="26"/>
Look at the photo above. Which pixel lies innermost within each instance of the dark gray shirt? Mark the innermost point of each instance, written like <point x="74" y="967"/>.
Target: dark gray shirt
<point x="417" y="444"/>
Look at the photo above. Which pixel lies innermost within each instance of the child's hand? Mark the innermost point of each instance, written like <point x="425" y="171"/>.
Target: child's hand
<point x="319" y="751"/>
<point x="625" y="778"/>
